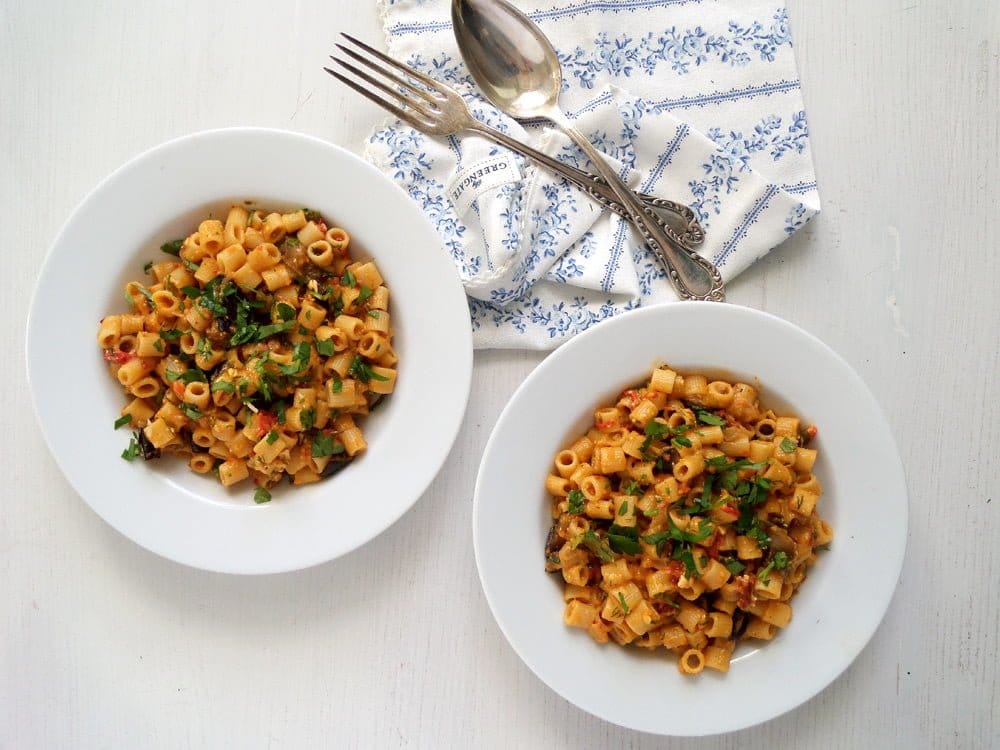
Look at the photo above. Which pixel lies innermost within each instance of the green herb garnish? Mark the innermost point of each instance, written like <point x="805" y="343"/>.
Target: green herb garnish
<point x="592" y="542"/>
<point x="706" y="417"/>
<point x="260" y="495"/>
<point x="324" y="445"/>
<point x="778" y="562"/>
<point x="622" y="602"/>
<point x="132" y="451"/>
<point x="308" y="418"/>
<point x="734" y="566"/>
<point x="363" y="372"/>
<point x="123" y="420"/>
<point x="300" y="359"/>
<point x="576" y="501"/>
<point x="173" y="247"/>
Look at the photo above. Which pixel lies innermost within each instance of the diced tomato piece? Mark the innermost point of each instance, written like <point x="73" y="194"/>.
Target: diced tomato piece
<point x="265" y="423"/>
<point x="675" y="569"/>
<point x="117" y="356"/>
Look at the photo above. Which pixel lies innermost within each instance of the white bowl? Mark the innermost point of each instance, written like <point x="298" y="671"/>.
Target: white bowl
<point x="162" y="505"/>
<point x="836" y="610"/>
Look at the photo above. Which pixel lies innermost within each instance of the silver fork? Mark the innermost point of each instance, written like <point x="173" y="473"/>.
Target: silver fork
<point x="435" y="108"/>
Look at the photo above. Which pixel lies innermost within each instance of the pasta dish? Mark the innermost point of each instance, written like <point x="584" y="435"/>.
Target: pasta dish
<point x="253" y="350"/>
<point x="685" y="518"/>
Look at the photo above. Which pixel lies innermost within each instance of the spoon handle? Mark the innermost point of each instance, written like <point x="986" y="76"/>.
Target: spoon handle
<point x="692" y="276"/>
<point x="675" y="218"/>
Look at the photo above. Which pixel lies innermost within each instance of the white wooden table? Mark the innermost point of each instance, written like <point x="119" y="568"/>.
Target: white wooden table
<point x="105" y="645"/>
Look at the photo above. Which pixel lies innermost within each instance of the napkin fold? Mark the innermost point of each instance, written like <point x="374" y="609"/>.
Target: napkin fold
<point x="692" y="100"/>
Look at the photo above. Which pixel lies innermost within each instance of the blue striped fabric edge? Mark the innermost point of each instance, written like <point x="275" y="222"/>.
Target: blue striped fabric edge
<point x="545" y="15"/>
<point x="750" y="218"/>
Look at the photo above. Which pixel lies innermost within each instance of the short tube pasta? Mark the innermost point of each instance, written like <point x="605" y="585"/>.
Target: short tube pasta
<point x="687" y="512"/>
<point x="256" y="351"/>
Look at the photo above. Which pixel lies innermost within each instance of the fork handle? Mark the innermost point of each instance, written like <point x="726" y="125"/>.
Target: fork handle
<point x="683" y="229"/>
<point x="692" y="276"/>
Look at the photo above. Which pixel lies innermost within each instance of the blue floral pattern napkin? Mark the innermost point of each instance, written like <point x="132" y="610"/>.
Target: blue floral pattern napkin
<point x="697" y="101"/>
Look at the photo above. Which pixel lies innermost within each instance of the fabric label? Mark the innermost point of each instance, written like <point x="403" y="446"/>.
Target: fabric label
<point x="487" y="174"/>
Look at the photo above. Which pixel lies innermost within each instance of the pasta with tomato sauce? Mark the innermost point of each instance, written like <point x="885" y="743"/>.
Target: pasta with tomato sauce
<point x="254" y="350"/>
<point x="685" y="519"/>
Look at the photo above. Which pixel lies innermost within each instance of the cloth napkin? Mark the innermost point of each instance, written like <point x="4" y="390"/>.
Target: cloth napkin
<point x="697" y="101"/>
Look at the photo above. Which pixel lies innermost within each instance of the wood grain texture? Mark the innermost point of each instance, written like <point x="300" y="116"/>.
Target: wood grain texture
<point x="104" y="645"/>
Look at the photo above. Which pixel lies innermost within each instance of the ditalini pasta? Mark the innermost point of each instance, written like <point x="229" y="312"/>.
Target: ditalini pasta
<point x="253" y="352"/>
<point x="685" y="518"/>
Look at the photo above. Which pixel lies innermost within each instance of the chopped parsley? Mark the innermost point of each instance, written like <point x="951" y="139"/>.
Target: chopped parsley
<point x="272" y="437"/>
<point x="324" y="445"/>
<point x="173" y="247"/>
<point x="204" y="348"/>
<point x="265" y="332"/>
<point x="366" y="292"/>
<point x="123" y="420"/>
<point x="734" y="566"/>
<point x="348" y="279"/>
<point x="188" y="376"/>
<point x="261" y="495"/>
<point x="223" y="385"/>
<point x="325" y="347"/>
<point x="576" y="502"/>
<point x="622" y="602"/>
<point x="681" y="442"/>
<point x="624" y="539"/>
<point x="170" y="334"/>
<point x="363" y="372"/>
<point x="284" y="311"/>
<point x="592" y="542"/>
<point x="132" y="451"/>
<point x="683" y="541"/>
<point x="308" y="418"/>
<point x="374" y="313"/>
<point x="148" y="267"/>
<point x="192" y="292"/>
<point x="336" y="385"/>
<point x="632" y="488"/>
<point x="778" y="562"/>
<point x="706" y="417"/>
<point x="300" y="359"/>
<point x="191" y="412"/>
<point x="788" y="445"/>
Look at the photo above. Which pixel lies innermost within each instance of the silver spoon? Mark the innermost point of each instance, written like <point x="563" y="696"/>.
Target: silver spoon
<point x="518" y="70"/>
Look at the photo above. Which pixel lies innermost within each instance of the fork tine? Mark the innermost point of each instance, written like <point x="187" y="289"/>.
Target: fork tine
<point x="425" y="95"/>
<point x="424" y="79"/>
<point x="402" y="114"/>
<point x="398" y="95"/>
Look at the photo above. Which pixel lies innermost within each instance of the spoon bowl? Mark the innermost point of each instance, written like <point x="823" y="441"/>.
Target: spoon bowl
<point x="509" y="58"/>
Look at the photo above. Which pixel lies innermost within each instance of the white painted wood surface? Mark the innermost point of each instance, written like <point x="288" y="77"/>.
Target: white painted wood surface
<point x="107" y="646"/>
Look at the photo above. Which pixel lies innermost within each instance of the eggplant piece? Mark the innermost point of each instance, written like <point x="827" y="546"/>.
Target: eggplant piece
<point x="740" y="621"/>
<point x="335" y="464"/>
<point x="780" y="541"/>
<point x="149" y="451"/>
